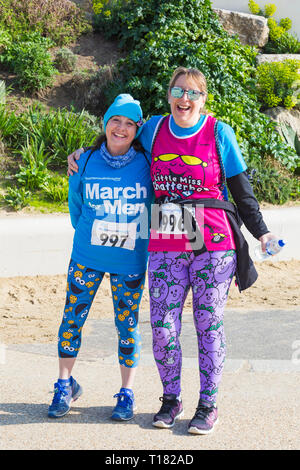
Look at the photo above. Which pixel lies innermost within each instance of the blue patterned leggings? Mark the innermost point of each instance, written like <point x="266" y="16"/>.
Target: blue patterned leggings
<point x="82" y="286"/>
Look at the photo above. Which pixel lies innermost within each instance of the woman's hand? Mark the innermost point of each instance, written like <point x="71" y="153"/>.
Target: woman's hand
<point x="72" y="165"/>
<point x="264" y="240"/>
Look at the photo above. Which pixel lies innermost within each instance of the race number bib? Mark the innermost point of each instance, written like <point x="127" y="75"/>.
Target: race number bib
<point x="113" y="234"/>
<point x="171" y="219"/>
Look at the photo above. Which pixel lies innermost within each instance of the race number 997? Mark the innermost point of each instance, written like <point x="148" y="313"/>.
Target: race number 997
<point x="113" y="234"/>
<point x="113" y="240"/>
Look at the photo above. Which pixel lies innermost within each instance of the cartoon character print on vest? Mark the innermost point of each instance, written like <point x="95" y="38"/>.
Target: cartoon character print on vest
<point x="214" y="234"/>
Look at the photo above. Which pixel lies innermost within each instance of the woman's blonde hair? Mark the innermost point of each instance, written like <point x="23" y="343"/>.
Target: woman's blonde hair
<point x="194" y="74"/>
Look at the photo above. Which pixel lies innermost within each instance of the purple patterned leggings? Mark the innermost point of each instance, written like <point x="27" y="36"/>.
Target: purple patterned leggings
<point x="171" y="274"/>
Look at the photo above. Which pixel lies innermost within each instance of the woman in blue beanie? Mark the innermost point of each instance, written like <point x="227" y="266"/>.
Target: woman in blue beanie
<point x="109" y="204"/>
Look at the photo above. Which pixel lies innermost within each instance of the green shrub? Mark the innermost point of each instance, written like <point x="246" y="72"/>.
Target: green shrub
<point x="34" y="173"/>
<point x="285" y="44"/>
<point x="276" y="83"/>
<point x="272" y="185"/>
<point x="5" y="39"/>
<point x="280" y="40"/>
<point x="59" y="131"/>
<point x="56" y="188"/>
<point x="60" y="20"/>
<point x="65" y="60"/>
<point x="9" y="125"/>
<point x="33" y="66"/>
<point x="28" y="57"/>
<point x="89" y="88"/>
<point x="17" y="198"/>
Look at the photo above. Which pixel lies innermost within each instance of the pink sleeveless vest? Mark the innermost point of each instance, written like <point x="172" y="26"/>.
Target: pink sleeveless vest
<point x="188" y="168"/>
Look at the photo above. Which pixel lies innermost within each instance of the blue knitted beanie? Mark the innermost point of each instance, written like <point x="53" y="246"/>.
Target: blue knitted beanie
<point x="125" y="105"/>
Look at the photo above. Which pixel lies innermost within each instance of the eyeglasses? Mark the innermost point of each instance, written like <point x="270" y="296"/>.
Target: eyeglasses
<point x="193" y="95"/>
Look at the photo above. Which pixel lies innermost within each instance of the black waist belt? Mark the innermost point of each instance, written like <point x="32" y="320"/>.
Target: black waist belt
<point x="246" y="273"/>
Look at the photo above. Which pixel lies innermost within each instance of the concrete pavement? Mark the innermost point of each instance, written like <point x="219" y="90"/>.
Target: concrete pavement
<point x="259" y="399"/>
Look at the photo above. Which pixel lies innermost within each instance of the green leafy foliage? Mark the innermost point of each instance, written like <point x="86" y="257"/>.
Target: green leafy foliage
<point x="28" y="57"/>
<point x="56" y="188"/>
<point x="276" y="82"/>
<point x="17" y="198"/>
<point x="54" y="134"/>
<point x="280" y="40"/>
<point x="272" y="185"/>
<point x="60" y="20"/>
<point x="33" y="66"/>
<point x="65" y="60"/>
<point x="34" y="173"/>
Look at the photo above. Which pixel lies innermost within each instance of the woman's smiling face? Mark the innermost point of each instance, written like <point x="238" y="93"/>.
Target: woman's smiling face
<point x="120" y="132"/>
<point x="185" y="112"/>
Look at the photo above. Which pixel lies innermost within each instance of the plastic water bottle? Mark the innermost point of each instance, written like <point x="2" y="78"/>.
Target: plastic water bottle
<point x="272" y="248"/>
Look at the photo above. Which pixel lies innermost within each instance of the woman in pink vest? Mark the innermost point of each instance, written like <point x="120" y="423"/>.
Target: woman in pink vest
<point x="195" y="241"/>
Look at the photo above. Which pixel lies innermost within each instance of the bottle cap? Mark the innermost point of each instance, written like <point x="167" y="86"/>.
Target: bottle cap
<point x="281" y="242"/>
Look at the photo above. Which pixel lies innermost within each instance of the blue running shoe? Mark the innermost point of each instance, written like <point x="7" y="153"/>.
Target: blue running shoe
<point x="63" y="397"/>
<point x="125" y="407"/>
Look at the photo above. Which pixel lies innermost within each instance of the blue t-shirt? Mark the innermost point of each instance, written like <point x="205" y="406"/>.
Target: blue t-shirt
<point x="110" y="211"/>
<point x="232" y="158"/>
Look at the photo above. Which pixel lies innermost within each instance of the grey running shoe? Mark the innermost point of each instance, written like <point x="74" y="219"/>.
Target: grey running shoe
<point x="170" y="410"/>
<point x="205" y="418"/>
